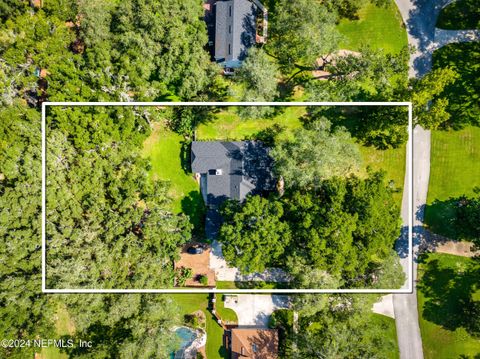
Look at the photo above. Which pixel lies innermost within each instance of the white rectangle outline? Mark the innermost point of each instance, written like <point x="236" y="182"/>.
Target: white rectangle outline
<point x="409" y="288"/>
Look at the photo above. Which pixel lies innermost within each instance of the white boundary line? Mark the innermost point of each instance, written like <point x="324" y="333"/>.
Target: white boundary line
<point x="409" y="288"/>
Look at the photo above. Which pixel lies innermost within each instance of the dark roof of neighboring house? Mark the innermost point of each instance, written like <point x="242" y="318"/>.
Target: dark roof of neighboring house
<point x="230" y="170"/>
<point x="254" y="343"/>
<point x="235" y="30"/>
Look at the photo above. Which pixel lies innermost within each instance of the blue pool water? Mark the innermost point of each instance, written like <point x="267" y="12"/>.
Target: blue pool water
<point x="186" y="336"/>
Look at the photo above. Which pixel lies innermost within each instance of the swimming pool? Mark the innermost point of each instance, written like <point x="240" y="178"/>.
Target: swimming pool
<point x="186" y="336"/>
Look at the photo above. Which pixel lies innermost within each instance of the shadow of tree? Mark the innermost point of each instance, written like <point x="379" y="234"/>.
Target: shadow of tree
<point x="440" y="217"/>
<point x="106" y="338"/>
<point x="185" y="157"/>
<point x="194" y="207"/>
<point x="448" y="293"/>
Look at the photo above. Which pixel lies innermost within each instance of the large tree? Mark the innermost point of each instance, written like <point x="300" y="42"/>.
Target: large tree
<point x="259" y="76"/>
<point x="253" y="236"/>
<point x="315" y="154"/>
<point x="339" y="234"/>
<point x="108" y="226"/>
<point x="467" y="217"/>
<point x="302" y="31"/>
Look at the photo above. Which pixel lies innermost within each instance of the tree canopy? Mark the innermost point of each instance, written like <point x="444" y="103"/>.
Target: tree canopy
<point x="342" y="232"/>
<point x="315" y="154"/>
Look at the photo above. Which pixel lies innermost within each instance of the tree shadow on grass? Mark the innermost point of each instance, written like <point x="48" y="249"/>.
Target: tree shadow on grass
<point x="440" y="217"/>
<point x="449" y="295"/>
<point x="194" y="207"/>
<point x="185" y="157"/>
<point x="110" y="338"/>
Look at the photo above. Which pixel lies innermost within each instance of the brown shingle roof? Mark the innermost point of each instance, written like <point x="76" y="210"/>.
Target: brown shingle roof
<point x="254" y="343"/>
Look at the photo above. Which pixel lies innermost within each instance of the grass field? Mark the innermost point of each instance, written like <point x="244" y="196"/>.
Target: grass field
<point x="381" y="28"/>
<point x="454" y="171"/>
<point x="227" y="314"/>
<point x="392" y="161"/>
<point x="390" y="332"/>
<point x="63" y="326"/>
<point x="229" y="126"/>
<point x="189" y="303"/>
<point x="169" y="159"/>
<point x="448" y="289"/>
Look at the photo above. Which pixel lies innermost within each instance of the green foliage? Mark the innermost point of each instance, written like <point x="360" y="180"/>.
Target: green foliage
<point x="24" y="310"/>
<point x="382" y="127"/>
<point x="11" y="8"/>
<point x="460" y="15"/>
<point x="428" y="104"/>
<point x="346" y="8"/>
<point x="294" y="42"/>
<point x="203" y="280"/>
<point x="315" y="154"/>
<point x="182" y="275"/>
<point x="160" y="46"/>
<point x="342" y="326"/>
<point x="253" y="236"/>
<point x="463" y="93"/>
<point x="108" y="224"/>
<point x="371" y="74"/>
<point x="467" y="216"/>
<point x="448" y="305"/>
<point x="125" y="326"/>
<point x="344" y="232"/>
<point x="258" y="75"/>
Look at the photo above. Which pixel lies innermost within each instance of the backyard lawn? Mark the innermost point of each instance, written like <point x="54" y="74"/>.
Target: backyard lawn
<point x="169" y="158"/>
<point x="454" y="171"/>
<point x="229" y="126"/>
<point x="189" y="303"/>
<point x="447" y="293"/>
<point x="381" y="28"/>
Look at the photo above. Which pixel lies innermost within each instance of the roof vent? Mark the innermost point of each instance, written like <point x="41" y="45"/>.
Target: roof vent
<point x="215" y="172"/>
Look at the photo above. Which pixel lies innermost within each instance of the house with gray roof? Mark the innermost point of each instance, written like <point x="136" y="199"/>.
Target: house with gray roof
<point x="230" y="170"/>
<point x="235" y="31"/>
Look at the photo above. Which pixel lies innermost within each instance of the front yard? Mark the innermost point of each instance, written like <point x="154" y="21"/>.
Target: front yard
<point x="448" y="301"/>
<point x="381" y="28"/>
<point x="454" y="171"/>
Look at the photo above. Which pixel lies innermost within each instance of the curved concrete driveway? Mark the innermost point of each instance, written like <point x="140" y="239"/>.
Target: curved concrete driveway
<point x="256" y="309"/>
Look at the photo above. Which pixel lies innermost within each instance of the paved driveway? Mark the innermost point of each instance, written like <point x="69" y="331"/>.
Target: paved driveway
<point x="255" y="309"/>
<point x="420" y="17"/>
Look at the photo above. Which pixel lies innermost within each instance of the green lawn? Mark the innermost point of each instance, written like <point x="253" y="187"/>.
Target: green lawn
<point x="390" y="332"/>
<point x="381" y="28"/>
<point x="63" y="326"/>
<point x="229" y="126"/>
<point x="454" y="171"/>
<point x="392" y="161"/>
<point x="460" y="15"/>
<point x="227" y="314"/>
<point x="189" y="303"/>
<point x="448" y="290"/>
<point x="169" y="158"/>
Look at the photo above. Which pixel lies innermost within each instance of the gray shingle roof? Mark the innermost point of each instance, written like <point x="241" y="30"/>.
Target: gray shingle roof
<point x="245" y="168"/>
<point x="235" y="30"/>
